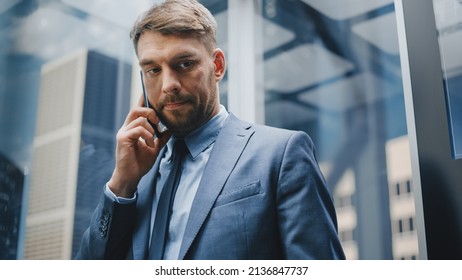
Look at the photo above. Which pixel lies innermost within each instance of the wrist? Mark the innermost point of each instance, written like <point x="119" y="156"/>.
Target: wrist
<point x="121" y="188"/>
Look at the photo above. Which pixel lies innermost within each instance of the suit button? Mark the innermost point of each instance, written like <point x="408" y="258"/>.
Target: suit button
<point x="102" y="231"/>
<point x="104" y="221"/>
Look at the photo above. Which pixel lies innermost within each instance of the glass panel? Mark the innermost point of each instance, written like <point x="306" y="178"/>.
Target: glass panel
<point x="332" y="69"/>
<point x="448" y="15"/>
<point x="219" y="9"/>
<point x="66" y="77"/>
<point x="66" y="71"/>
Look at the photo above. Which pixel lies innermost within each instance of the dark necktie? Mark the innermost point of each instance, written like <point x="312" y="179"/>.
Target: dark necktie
<point x="164" y="207"/>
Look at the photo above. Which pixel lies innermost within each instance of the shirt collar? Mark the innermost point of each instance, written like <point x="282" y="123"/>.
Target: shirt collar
<point x="201" y="138"/>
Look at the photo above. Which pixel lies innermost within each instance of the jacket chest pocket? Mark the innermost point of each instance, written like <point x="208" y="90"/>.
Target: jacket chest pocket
<point x="238" y="193"/>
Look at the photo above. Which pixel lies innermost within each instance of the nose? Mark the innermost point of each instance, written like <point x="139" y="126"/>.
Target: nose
<point x="170" y="82"/>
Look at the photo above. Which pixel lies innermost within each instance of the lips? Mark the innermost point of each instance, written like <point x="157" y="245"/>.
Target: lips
<point x="174" y="105"/>
<point x="175" y="102"/>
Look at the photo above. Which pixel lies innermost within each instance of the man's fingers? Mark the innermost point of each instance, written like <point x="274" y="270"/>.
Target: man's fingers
<point x="131" y="136"/>
<point x="140" y="121"/>
<point x="152" y="116"/>
<point x="137" y="112"/>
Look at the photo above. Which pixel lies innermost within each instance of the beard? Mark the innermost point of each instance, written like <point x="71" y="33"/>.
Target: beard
<point x="193" y="114"/>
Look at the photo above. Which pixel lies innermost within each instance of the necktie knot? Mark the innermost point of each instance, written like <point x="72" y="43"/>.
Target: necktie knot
<point x="180" y="148"/>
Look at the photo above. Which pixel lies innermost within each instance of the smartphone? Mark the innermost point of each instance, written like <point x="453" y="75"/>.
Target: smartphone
<point x="160" y="127"/>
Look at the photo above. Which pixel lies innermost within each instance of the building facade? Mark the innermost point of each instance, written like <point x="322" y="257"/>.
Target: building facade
<point x="11" y="206"/>
<point x="77" y="118"/>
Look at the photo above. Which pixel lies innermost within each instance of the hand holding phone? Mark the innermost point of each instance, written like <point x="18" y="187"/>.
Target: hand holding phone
<point x="160" y="127"/>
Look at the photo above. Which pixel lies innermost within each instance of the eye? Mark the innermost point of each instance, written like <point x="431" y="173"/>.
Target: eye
<point x="153" y="71"/>
<point x="185" y="64"/>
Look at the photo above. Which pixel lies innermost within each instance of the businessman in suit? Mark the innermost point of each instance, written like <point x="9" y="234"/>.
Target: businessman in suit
<point x="241" y="191"/>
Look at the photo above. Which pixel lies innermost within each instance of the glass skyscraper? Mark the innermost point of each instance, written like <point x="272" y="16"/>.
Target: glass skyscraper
<point x="11" y="194"/>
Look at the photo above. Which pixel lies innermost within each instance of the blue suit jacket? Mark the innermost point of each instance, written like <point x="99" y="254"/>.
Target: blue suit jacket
<point x="262" y="196"/>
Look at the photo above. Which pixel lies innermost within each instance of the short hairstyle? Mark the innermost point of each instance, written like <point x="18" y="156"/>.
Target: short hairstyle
<point x="178" y="17"/>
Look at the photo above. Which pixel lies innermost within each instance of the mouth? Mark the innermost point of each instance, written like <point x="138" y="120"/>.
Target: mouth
<point x="174" y="105"/>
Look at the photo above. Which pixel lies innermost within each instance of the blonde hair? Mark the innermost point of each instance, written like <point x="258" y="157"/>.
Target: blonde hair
<point x="180" y="18"/>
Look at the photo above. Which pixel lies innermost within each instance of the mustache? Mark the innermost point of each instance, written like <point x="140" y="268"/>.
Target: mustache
<point x="168" y="99"/>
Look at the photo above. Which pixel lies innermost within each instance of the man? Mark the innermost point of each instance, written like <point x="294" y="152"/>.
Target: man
<point x="245" y="191"/>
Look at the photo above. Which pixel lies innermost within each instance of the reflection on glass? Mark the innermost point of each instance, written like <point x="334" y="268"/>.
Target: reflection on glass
<point x="448" y="15"/>
<point x="65" y="88"/>
<point x="332" y="69"/>
<point x="67" y="71"/>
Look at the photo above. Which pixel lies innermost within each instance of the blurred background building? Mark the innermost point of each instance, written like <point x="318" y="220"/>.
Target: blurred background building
<point x="82" y="98"/>
<point x="331" y="68"/>
<point x="11" y="206"/>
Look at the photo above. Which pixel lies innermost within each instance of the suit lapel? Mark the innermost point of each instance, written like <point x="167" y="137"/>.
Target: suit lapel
<point x="146" y="189"/>
<point x="229" y="145"/>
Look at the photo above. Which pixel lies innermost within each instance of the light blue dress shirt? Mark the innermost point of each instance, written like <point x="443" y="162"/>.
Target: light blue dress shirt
<point x="200" y="143"/>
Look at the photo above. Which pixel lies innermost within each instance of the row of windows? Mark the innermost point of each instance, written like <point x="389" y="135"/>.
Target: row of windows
<point x="412" y="257"/>
<point x="406" y="225"/>
<point x="403" y="225"/>
<point x="403" y="188"/>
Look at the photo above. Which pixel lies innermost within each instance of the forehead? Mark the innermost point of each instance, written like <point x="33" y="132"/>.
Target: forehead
<point x="153" y="45"/>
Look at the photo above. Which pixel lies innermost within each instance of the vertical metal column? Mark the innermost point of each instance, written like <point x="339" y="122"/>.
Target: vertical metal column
<point x="245" y="60"/>
<point x="437" y="178"/>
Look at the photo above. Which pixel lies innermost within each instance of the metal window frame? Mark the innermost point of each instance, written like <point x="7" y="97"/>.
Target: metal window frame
<point x="436" y="176"/>
<point x="245" y="60"/>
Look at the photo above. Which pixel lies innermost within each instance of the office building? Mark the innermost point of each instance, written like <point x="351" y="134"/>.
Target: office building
<point x="11" y="193"/>
<point x="78" y="115"/>
<point x="404" y="240"/>
<point x="402" y="206"/>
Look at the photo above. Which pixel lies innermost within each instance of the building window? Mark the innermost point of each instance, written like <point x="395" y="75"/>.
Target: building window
<point x="408" y="186"/>
<point x="411" y="224"/>
<point x="406" y="225"/>
<point x="403" y="187"/>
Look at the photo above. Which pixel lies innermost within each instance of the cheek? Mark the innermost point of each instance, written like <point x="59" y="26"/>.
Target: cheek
<point x="153" y="89"/>
<point x="197" y="84"/>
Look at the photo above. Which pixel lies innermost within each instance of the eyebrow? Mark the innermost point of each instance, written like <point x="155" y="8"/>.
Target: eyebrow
<point x="184" y="56"/>
<point x="146" y="62"/>
<point x="180" y="56"/>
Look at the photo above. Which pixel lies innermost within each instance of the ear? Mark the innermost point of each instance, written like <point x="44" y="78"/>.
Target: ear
<point x="219" y="64"/>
